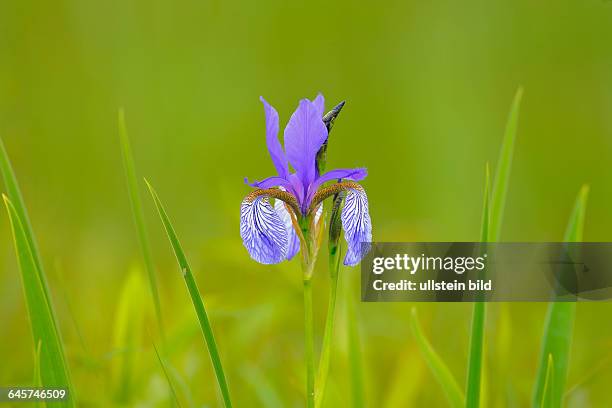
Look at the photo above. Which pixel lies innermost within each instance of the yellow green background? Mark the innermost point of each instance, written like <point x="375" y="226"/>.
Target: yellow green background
<point x="428" y="86"/>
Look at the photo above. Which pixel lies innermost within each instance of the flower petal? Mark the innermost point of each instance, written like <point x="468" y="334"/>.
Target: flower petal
<point x="262" y="230"/>
<point x="319" y="103"/>
<point x="357" y="225"/>
<point x="273" y="181"/>
<point x="304" y="135"/>
<point x="274" y="147"/>
<point x="293" y="242"/>
<point x="348" y="174"/>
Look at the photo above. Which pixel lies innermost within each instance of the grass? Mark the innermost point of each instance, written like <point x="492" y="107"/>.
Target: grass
<point x="439" y="369"/>
<point x="475" y="359"/>
<point x="490" y="232"/>
<point x="196" y="298"/>
<point x="127" y="336"/>
<point x="167" y="377"/>
<point x="51" y="361"/>
<point x="141" y="229"/>
<point x="559" y="325"/>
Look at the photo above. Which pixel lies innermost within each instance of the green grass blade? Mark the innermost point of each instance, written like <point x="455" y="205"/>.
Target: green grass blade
<point x="502" y="173"/>
<point x="53" y="368"/>
<point x="493" y="211"/>
<point x="474" y="376"/>
<point x="37" y="379"/>
<point x="560" y="322"/>
<point x="196" y="298"/>
<point x="328" y="334"/>
<point x="440" y="371"/>
<point x="127" y="336"/>
<point x="548" y="384"/>
<point x="14" y="194"/>
<point x="267" y="395"/>
<point x="145" y="247"/>
<point x="167" y="376"/>
<point x="354" y="349"/>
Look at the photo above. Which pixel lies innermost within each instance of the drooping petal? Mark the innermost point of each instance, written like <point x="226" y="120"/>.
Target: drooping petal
<point x="304" y="135"/>
<point x="274" y="147"/>
<point x="356" y="174"/>
<point x="262" y="230"/>
<point x="319" y="103"/>
<point x="346" y="174"/>
<point x="273" y="181"/>
<point x="293" y="245"/>
<point x="357" y="225"/>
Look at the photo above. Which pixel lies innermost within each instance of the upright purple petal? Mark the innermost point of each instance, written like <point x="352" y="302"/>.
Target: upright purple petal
<point x="293" y="245"/>
<point x="357" y="225"/>
<point x="304" y="135"/>
<point x="319" y="103"/>
<point x="274" y="147"/>
<point x="262" y="230"/>
<point x="298" y="188"/>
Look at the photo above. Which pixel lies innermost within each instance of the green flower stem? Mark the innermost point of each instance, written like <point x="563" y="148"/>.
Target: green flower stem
<point x="334" y="266"/>
<point x="309" y="342"/>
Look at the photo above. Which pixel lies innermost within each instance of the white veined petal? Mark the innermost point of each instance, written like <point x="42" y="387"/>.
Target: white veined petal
<point x="357" y="225"/>
<point x="263" y="232"/>
<point x="292" y="237"/>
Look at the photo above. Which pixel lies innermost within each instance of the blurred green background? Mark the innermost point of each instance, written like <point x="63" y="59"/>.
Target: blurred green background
<point x="428" y="87"/>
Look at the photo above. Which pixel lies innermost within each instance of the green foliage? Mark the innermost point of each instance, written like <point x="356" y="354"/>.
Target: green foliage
<point x="559" y="325"/>
<point x="493" y="210"/>
<point x="196" y="298"/>
<point x="440" y="370"/>
<point x="127" y="336"/>
<point x="143" y="237"/>
<point x="53" y="370"/>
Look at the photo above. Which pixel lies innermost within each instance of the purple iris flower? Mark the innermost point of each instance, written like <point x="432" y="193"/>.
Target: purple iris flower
<point x="270" y="232"/>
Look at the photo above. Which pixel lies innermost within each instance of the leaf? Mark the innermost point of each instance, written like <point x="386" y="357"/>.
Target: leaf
<point x="440" y="371"/>
<point x="145" y="247"/>
<point x="559" y="324"/>
<point x="502" y="173"/>
<point x="493" y="211"/>
<point x="355" y="355"/>
<point x="267" y="395"/>
<point x="168" y="379"/>
<point x="196" y="298"/>
<point x="127" y="335"/>
<point x="474" y="375"/>
<point x="53" y="369"/>
<point x="548" y="384"/>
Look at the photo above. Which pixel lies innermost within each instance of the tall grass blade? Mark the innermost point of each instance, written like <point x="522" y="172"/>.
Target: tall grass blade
<point x="502" y="173"/>
<point x="127" y="336"/>
<point x="196" y="298"/>
<point x="265" y="391"/>
<point x="560" y="322"/>
<point x="474" y="376"/>
<point x="548" y="384"/>
<point x="354" y="350"/>
<point x="493" y="212"/>
<point x="37" y="379"/>
<point x="325" y="359"/>
<point x="440" y="371"/>
<point x="53" y="368"/>
<point x="14" y="194"/>
<point x="145" y="247"/>
<point x="167" y="376"/>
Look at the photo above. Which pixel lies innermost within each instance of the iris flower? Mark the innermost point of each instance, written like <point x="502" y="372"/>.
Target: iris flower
<point x="272" y="233"/>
